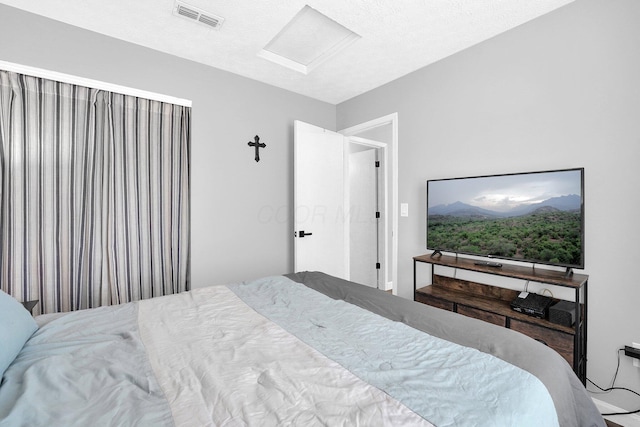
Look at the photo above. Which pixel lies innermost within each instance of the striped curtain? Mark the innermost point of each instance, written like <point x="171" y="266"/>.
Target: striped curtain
<point x="94" y="195"/>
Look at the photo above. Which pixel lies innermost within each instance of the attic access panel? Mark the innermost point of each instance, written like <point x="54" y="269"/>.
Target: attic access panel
<point x="308" y="40"/>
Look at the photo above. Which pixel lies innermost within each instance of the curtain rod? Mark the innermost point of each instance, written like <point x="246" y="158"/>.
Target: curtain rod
<point x="95" y="84"/>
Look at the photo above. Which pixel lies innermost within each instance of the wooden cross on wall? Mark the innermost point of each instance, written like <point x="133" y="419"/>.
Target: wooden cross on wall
<point x="257" y="144"/>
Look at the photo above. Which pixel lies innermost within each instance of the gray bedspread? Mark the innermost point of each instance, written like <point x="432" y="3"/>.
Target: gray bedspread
<point x="574" y="406"/>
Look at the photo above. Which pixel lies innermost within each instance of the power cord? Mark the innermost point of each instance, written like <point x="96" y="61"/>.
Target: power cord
<point x="607" y="390"/>
<point x="547" y="290"/>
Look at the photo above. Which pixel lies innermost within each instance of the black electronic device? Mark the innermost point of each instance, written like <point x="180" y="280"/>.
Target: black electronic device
<point x="508" y="216"/>
<point x="488" y="264"/>
<point x="563" y="313"/>
<point x="532" y="304"/>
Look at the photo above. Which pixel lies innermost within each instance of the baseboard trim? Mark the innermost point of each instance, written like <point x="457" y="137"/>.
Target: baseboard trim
<point x="632" y="420"/>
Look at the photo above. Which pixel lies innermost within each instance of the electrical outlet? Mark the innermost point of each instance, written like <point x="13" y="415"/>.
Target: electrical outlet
<point x="636" y="362"/>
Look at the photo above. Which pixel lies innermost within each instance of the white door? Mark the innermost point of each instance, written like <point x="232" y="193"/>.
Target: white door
<point x="363" y="232"/>
<point x="319" y="216"/>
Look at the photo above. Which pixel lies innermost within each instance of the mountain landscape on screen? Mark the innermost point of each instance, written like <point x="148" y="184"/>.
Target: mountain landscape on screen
<point x="571" y="202"/>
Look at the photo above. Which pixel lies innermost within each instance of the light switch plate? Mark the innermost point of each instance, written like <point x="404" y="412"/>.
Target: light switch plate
<point x="404" y="209"/>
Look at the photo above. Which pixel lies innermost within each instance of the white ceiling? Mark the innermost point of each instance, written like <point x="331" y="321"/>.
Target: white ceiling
<point x="397" y="36"/>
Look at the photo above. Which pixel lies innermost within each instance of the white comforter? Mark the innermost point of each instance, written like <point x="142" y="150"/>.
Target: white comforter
<point x="221" y="363"/>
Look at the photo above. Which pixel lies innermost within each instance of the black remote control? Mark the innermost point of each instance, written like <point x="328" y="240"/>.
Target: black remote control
<point x="489" y="264"/>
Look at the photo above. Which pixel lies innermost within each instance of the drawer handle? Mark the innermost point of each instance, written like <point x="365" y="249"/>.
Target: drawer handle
<point x="539" y="340"/>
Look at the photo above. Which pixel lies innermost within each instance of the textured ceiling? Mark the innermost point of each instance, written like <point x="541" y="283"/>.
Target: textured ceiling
<point x="397" y="36"/>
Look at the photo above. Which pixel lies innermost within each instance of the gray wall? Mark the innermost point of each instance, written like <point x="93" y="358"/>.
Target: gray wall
<point x="235" y="232"/>
<point x="561" y="91"/>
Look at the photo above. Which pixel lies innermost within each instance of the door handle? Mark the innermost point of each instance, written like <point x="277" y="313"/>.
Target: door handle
<point x="302" y="233"/>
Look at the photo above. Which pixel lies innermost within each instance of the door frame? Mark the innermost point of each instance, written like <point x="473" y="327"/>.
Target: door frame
<point x="392" y="120"/>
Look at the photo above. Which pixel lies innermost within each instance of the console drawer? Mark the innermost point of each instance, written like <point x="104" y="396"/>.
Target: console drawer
<point x="559" y="341"/>
<point x="487" y="316"/>
<point x="435" y="302"/>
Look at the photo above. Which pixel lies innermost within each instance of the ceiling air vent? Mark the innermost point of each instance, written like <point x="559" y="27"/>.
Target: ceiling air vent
<point x="193" y="13"/>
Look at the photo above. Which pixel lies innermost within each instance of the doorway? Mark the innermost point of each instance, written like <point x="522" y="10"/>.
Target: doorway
<point x="321" y="237"/>
<point x="366" y="201"/>
<point x="382" y="133"/>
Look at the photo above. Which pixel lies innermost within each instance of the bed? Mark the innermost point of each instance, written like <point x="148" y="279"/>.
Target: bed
<point x="301" y="349"/>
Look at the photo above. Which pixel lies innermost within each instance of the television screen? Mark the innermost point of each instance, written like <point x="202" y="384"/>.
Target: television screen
<point x="535" y="217"/>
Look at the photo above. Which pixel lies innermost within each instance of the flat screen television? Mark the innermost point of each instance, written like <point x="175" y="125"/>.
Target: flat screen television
<point x="535" y="217"/>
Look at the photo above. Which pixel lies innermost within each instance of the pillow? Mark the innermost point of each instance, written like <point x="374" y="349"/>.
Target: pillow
<point x="16" y="326"/>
